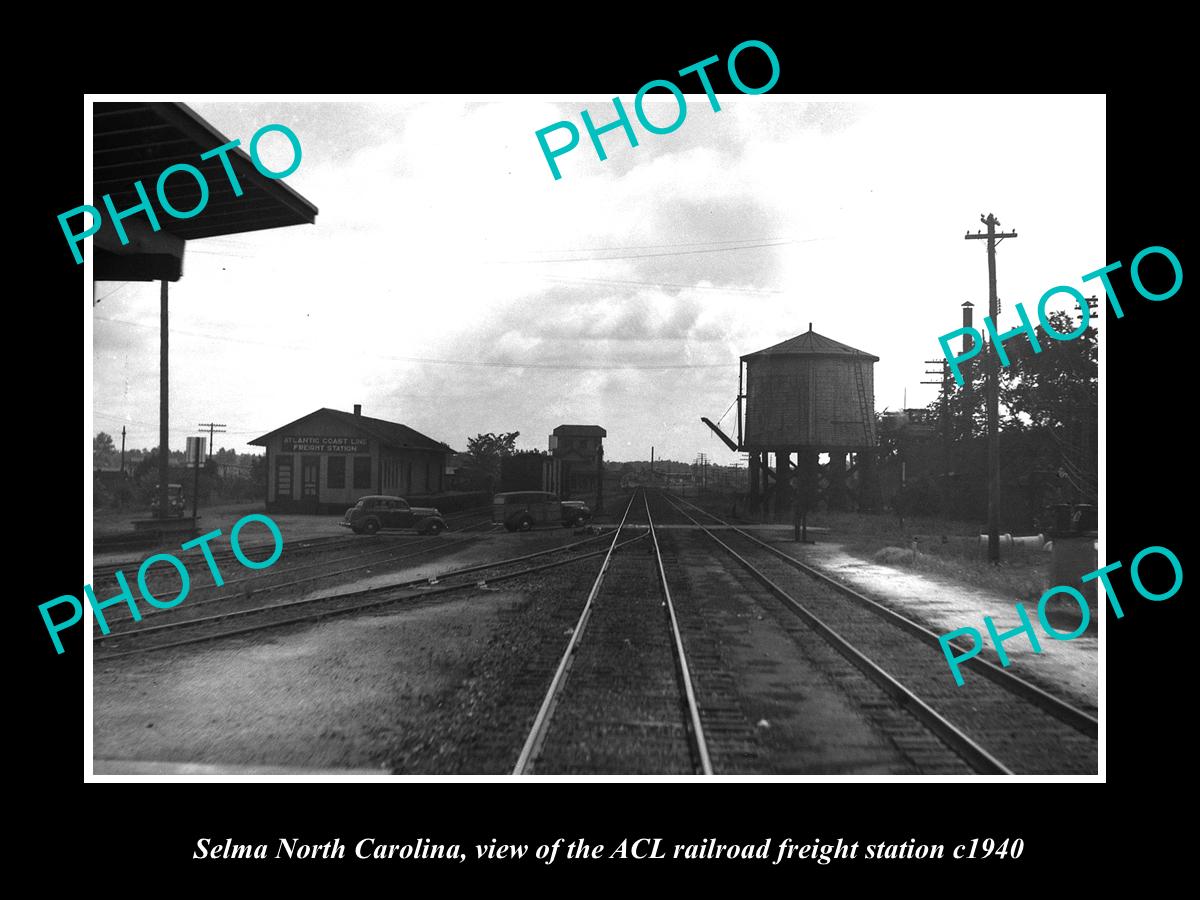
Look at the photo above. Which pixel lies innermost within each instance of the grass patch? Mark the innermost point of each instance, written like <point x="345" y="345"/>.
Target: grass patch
<point x="946" y="547"/>
<point x="949" y="548"/>
<point x="1020" y="575"/>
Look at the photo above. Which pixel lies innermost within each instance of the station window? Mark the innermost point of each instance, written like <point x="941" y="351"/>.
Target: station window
<point x="362" y="472"/>
<point x="335" y="473"/>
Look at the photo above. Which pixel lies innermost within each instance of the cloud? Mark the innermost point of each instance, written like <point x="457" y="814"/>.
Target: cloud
<point x="439" y="221"/>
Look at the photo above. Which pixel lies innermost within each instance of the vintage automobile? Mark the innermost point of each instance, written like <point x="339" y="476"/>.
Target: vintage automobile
<point x="521" y="510"/>
<point x="175" y="502"/>
<point x="372" y="513"/>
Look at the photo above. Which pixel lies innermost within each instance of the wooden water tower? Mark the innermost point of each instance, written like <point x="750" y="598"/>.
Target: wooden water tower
<point x="805" y="396"/>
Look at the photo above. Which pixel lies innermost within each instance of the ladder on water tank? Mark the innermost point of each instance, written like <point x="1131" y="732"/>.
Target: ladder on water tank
<point x="865" y="406"/>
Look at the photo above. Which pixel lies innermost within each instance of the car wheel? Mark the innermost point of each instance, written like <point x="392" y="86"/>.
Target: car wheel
<point x="371" y="526"/>
<point x="435" y="528"/>
<point x="525" y="524"/>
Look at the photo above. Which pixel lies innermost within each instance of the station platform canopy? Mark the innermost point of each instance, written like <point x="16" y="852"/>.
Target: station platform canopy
<point x="136" y="142"/>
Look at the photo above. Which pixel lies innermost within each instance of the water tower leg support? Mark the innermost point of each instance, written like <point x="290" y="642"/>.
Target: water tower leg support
<point x="783" y="475"/>
<point x="836" y="495"/>
<point x="768" y="484"/>
<point x="755" y="490"/>
<point x="807" y="469"/>
<point x="869" y="497"/>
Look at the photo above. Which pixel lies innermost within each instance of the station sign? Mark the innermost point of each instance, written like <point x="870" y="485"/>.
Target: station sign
<point x="325" y="444"/>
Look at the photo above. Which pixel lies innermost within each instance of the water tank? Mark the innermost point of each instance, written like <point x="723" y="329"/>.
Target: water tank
<point x="810" y="392"/>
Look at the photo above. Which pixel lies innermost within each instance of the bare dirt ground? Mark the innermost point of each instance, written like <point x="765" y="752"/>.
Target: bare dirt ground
<point x="345" y="693"/>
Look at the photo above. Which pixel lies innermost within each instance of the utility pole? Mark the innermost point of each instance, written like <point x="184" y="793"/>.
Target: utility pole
<point x="122" y="449"/>
<point x="164" y="452"/>
<point x="211" y="426"/>
<point x="195" y="450"/>
<point x="993" y="387"/>
<point x="944" y="371"/>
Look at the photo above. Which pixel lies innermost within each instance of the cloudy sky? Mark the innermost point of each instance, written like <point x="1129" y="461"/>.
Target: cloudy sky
<point x="450" y="283"/>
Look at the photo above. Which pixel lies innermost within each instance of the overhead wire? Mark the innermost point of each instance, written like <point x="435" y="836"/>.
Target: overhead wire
<point x="694" y="287"/>
<point x="582" y="367"/>
<point x="649" y="255"/>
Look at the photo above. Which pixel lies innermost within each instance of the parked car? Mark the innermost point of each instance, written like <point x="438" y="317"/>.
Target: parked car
<point x="521" y="510"/>
<point x="372" y="513"/>
<point x="175" y="502"/>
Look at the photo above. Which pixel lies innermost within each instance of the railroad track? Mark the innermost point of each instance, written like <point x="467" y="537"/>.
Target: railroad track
<point x="225" y="555"/>
<point x="249" y="621"/>
<point x="478" y="518"/>
<point x="998" y="724"/>
<point x="258" y="585"/>
<point x="164" y="580"/>
<point x="622" y="698"/>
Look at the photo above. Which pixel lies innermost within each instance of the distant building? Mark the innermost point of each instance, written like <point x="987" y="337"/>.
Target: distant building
<point x="576" y="462"/>
<point x="325" y="461"/>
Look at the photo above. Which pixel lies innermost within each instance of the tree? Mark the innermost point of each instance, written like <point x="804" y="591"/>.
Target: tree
<point x="102" y="450"/>
<point x="1048" y="412"/>
<point x="147" y="468"/>
<point x="486" y="451"/>
<point x="1055" y="388"/>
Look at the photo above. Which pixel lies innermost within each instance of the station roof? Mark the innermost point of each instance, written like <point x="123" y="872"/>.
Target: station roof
<point x="581" y="430"/>
<point x="810" y="344"/>
<point x="393" y="434"/>
<point x="135" y="142"/>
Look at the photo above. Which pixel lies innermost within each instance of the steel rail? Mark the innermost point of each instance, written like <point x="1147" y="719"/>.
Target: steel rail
<point x="306" y="545"/>
<point x="413" y="582"/>
<point x="982" y="761"/>
<point x="431" y="547"/>
<point x="541" y="722"/>
<point x="685" y="675"/>
<point x="320" y="543"/>
<point x="324" y="614"/>
<point x="1066" y="713"/>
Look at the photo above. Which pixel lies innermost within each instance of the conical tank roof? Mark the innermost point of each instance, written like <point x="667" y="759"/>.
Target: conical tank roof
<point x="811" y="344"/>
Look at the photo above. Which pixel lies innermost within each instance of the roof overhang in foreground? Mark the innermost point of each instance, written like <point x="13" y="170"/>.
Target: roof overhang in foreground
<point x="135" y="142"/>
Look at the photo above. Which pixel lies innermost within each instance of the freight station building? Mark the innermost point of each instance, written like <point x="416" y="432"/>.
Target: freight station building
<point x="325" y="461"/>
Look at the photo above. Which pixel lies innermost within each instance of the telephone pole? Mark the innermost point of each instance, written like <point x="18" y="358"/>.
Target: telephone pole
<point x="944" y="381"/>
<point x="211" y="426"/>
<point x="122" y="449"/>
<point x="993" y="387"/>
<point x="164" y="434"/>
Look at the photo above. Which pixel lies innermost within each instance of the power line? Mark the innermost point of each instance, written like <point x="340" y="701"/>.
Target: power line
<point x="104" y="415"/>
<point x="120" y="287"/>
<point x="659" y="246"/>
<point x="212" y="429"/>
<point x="648" y="255"/>
<point x="695" y="287"/>
<point x="584" y="367"/>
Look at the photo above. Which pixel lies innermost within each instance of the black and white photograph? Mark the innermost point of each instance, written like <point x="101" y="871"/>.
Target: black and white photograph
<point x="677" y="435"/>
